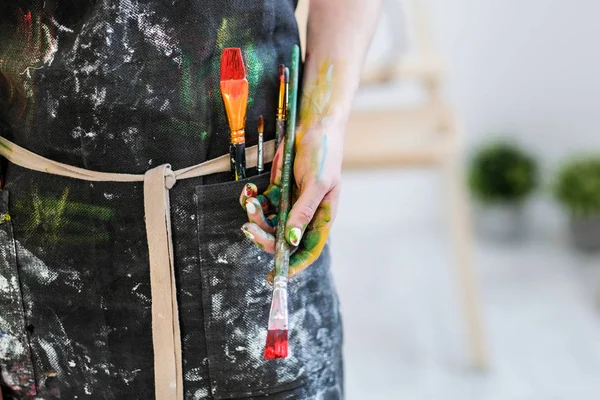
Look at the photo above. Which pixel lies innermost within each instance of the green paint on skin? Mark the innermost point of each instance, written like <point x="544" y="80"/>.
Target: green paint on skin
<point x="273" y="195"/>
<point x="248" y="234"/>
<point x="7" y="147"/>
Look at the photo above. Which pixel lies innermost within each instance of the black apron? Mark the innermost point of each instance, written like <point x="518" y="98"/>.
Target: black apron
<point x="123" y="86"/>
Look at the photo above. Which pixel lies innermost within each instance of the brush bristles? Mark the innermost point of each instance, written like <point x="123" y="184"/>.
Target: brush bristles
<point x="277" y="344"/>
<point x="281" y="69"/>
<point x="287" y="75"/>
<point x="261" y="124"/>
<point x="232" y="64"/>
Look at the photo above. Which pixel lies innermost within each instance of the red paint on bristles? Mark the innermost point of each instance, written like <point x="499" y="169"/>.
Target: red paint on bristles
<point x="277" y="344"/>
<point x="232" y="64"/>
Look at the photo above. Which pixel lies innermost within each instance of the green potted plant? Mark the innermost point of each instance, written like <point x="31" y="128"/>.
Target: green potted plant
<point x="502" y="176"/>
<point x="577" y="188"/>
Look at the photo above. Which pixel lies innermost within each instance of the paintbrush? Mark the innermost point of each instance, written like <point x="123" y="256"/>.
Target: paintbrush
<point x="286" y="78"/>
<point x="277" y="336"/>
<point x="281" y="108"/>
<point x="260" y="167"/>
<point x="234" y="89"/>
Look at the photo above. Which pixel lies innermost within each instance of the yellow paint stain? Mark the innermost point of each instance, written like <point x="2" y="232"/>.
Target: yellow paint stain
<point x="4" y="217"/>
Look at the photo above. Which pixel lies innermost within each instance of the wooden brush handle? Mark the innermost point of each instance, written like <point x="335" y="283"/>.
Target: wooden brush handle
<point x="282" y="248"/>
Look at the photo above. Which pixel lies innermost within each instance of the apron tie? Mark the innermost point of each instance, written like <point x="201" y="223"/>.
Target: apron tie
<point x="166" y="336"/>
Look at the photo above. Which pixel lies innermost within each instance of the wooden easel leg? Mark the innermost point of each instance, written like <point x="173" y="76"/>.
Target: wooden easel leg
<point x="462" y="235"/>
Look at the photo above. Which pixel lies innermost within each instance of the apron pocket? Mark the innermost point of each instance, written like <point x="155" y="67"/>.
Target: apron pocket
<point x="236" y="298"/>
<point x="16" y="366"/>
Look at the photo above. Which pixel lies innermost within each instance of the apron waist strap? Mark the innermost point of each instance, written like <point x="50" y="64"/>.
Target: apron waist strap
<point x="166" y="337"/>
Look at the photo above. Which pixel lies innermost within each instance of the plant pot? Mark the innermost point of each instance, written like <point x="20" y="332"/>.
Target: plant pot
<point x="585" y="233"/>
<point x="501" y="222"/>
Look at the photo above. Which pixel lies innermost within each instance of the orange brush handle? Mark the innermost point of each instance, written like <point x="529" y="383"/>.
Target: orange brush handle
<point x="235" y="98"/>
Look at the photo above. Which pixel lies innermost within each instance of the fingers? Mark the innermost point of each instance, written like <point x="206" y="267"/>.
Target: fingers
<point x="302" y="213"/>
<point x="262" y="239"/>
<point x="256" y="215"/>
<point x="316" y="234"/>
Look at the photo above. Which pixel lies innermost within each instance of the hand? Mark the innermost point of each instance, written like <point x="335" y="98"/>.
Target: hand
<point x="317" y="173"/>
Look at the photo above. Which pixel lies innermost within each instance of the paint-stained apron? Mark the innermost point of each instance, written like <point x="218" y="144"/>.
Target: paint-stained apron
<point x="126" y="86"/>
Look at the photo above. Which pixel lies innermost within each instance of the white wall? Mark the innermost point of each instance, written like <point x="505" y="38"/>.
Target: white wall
<point x="527" y="68"/>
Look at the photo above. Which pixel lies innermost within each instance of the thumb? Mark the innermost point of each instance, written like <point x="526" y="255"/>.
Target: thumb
<point x="302" y="213"/>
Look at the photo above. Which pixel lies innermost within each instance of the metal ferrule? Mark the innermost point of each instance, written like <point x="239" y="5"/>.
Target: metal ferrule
<point x="238" y="136"/>
<point x="260" y="166"/>
<point x="278" y="317"/>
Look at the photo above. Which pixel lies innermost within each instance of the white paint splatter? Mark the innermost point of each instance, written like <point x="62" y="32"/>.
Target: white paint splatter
<point x="51" y="356"/>
<point x="77" y="132"/>
<point x="154" y="33"/>
<point x="201" y="394"/>
<point x="10" y="347"/>
<point x="4" y="284"/>
<point x="98" y="97"/>
<point x="166" y="106"/>
<point x="60" y="27"/>
<point x="217" y="304"/>
<point x="221" y="260"/>
<point x="52" y="107"/>
<point x="129" y="376"/>
<point x="34" y="266"/>
<point x="193" y="375"/>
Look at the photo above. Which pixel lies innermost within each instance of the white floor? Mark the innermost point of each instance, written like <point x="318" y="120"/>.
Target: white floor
<point x="404" y="330"/>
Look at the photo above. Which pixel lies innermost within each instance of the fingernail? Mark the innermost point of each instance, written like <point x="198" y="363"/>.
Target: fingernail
<point x="250" y="207"/>
<point x="295" y="236"/>
<point x="248" y="234"/>
<point x="249" y="190"/>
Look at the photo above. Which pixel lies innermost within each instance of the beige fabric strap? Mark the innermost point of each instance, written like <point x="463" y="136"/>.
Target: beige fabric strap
<point x="166" y="338"/>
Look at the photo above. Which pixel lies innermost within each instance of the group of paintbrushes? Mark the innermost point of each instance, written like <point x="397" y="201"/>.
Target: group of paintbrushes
<point x="234" y="89"/>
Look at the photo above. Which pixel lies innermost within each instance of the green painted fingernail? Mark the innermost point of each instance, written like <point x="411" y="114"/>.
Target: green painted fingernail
<point x="295" y="236"/>
<point x="248" y="234"/>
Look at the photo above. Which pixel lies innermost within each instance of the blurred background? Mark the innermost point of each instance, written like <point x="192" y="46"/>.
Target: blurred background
<point x="466" y="250"/>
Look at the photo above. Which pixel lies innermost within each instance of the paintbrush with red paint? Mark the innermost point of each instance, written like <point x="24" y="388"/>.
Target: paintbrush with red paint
<point x="234" y="89"/>
<point x="277" y="336"/>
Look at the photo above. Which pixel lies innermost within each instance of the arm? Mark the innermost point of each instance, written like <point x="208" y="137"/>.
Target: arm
<point x="339" y="34"/>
